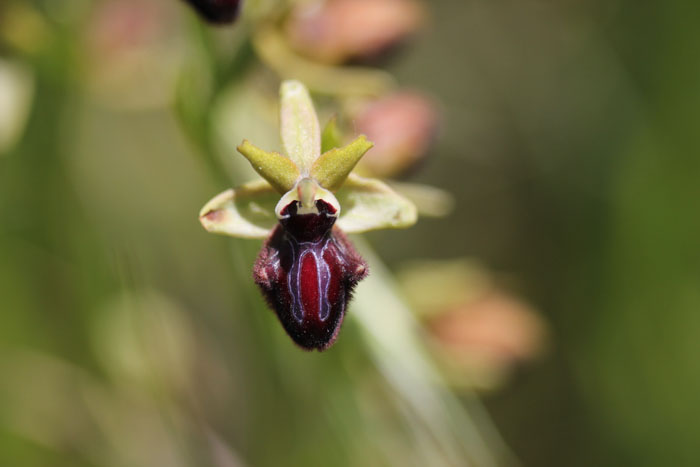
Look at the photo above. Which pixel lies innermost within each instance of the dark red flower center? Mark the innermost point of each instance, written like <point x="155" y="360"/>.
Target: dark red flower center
<point x="217" y="11"/>
<point x="306" y="271"/>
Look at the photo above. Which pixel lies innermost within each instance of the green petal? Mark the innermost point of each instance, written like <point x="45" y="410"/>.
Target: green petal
<point x="331" y="137"/>
<point x="247" y="211"/>
<point x="369" y="204"/>
<point x="278" y="170"/>
<point x="334" y="166"/>
<point x="301" y="134"/>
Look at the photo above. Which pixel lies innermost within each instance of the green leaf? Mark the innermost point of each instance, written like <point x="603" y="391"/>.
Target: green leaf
<point x="331" y="137"/>
<point x="334" y="166"/>
<point x="369" y="204"/>
<point x="247" y="211"/>
<point x="300" y="131"/>
<point x="278" y="170"/>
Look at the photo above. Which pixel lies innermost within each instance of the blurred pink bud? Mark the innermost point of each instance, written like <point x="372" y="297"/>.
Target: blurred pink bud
<point x="335" y="31"/>
<point x="121" y="26"/>
<point x="133" y="52"/>
<point x="487" y="336"/>
<point x="402" y="127"/>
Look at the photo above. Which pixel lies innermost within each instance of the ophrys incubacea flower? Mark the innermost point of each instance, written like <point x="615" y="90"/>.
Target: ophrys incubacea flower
<point x="307" y="268"/>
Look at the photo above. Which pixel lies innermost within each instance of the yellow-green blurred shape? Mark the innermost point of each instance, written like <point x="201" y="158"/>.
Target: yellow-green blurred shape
<point x="476" y="331"/>
<point x="40" y="399"/>
<point x="432" y="286"/>
<point x="144" y="338"/>
<point x="429" y="200"/>
<point x="16" y="94"/>
<point x="23" y="27"/>
<point x="274" y="51"/>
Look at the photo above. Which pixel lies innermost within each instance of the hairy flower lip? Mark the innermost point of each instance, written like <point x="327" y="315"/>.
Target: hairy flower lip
<point x="308" y="227"/>
<point x="217" y="12"/>
<point x="309" y="284"/>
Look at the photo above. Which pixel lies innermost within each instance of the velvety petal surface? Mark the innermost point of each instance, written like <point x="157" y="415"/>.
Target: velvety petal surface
<point x="307" y="271"/>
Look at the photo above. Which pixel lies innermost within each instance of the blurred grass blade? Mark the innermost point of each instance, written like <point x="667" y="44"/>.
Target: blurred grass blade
<point x="392" y="336"/>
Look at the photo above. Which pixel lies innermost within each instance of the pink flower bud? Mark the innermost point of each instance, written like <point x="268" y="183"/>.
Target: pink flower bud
<point x="121" y="41"/>
<point x="334" y="31"/>
<point x="306" y="271"/>
<point x="402" y="127"/>
<point x="487" y="336"/>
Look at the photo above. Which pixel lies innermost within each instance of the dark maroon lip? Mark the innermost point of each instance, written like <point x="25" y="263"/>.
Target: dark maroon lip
<point x="217" y="11"/>
<point x="307" y="270"/>
<point x="308" y="227"/>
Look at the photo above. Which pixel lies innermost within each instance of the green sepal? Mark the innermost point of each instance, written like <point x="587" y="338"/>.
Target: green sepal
<point x="299" y="127"/>
<point x="333" y="167"/>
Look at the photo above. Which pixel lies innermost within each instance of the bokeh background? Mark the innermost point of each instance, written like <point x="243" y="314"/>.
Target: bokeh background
<point x="567" y="137"/>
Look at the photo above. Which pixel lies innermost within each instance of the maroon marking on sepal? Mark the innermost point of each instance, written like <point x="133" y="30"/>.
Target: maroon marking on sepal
<point x="213" y="216"/>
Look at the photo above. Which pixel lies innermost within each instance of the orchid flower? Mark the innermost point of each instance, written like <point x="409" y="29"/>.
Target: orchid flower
<point x="307" y="201"/>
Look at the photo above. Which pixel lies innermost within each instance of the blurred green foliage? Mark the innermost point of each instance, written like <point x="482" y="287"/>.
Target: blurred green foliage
<point x="129" y="336"/>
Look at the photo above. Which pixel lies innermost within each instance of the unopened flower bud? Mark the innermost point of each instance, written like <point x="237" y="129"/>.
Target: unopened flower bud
<point x="307" y="271"/>
<point x="402" y="127"/>
<point x="334" y="31"/>
<point x="486" y="337"/>
<point x="121" y="40"/>
<point x="217" y="11"/>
